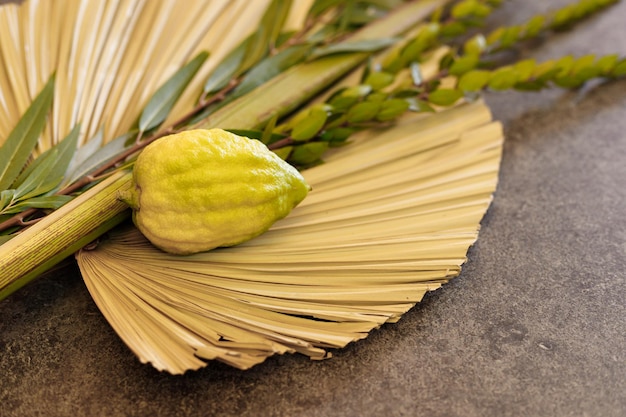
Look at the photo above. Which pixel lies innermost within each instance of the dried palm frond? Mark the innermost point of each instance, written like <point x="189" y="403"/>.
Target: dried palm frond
<point x="390" y="217"/>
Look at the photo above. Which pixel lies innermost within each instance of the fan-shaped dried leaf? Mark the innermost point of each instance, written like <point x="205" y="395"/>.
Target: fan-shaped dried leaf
<point x="390" y="217"/>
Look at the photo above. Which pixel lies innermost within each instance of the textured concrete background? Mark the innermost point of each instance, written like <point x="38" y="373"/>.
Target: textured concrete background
<point x="534" y="326"/>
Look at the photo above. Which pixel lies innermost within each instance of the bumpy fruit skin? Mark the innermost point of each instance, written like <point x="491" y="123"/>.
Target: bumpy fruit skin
<point x="201" y="189"/>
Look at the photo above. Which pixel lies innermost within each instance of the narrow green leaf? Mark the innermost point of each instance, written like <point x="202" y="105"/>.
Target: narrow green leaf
<point x="277" y="19"/>
<point x="39" y="182"/>
<point x="367" y="45"/>
<point x="6" y="198"/>
<point x="362" y="112"/>
<point x="271" y="67"/>
<point x="444" y="96"/>
<point x="46" y="202"/>
<point x="268" y="130"/>
<point x="227" y="69"/>
<point x="65" y="151"/>
<point x="161" y="103"/>
<point x="321" y="6"/>
<point x="87" y="150"/>
<point x="101" y="156"/>
<point x="22" y="140"/>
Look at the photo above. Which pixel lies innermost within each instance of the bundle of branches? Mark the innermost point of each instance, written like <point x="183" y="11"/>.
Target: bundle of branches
<point x="376" y="102"/>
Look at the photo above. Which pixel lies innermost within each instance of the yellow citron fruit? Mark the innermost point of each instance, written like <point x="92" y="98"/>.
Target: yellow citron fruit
<point x="201" y="189"/>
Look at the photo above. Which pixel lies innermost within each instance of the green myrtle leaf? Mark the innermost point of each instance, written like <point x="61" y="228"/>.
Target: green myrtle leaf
<point x="379" y="80"/>
<point x="308" y="153"/>
<point x="453" y="29"/>
<point x="368" y="45"/>
<point x="534" y="26"/>
<point x="338" y="134"/>
<point x="377" y="97"/>
<point x="503" y="78"/>
<point x="475" y="45"/>
<point x="620" y="69"/>
<point x="606" y="64"/>
<point x="463" y="64"/>
<point x="584" y="68"/>
<point x="17" y="148"/>
<point x="495" y="35"/>
<point x="463" y="9"/>
<point x="357" y="91"/>
<point x="392" y="109"/>
<point x="283" y="153"/>
<point x="509" y="36"/>
<point x="474" y="80"/>
<point x="164" y="99"/>
<point x="525" y="69"/>
<point x="46" y="202"/>
<point x="445" y="96"/>
<point x="426" y="38"/>
<point x="270" y="67"/>
<point x="362" y="112"/>
<point x="420" y="106"/>
<point x="310" y="126"/>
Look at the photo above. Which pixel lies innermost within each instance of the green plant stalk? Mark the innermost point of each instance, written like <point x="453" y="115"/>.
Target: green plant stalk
<point x="98" y="210"/>
<point x="62" y="233"/>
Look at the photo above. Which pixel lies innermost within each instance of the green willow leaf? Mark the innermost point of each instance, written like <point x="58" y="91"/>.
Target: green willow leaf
<point x="271" y="67"/>
<point x="46" y="202"/>
<point x="102" y="156"/>
<point x="368" y="45"/>
<point x="82" y="154"/>
<point x="321" y="6"/>
<point x="65" y="151"/>
<point x="227" y="69"/>
<point x="162" y="101"/>
<point x="39" y="181"/>
<point x="23" y="138"/>
<point x="392" y="109"/>
<point x="7" y="197"/>
<point x="266" y="34"/>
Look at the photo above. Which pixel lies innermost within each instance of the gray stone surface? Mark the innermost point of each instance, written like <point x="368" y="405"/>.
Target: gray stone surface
<point x="534" y="326"/>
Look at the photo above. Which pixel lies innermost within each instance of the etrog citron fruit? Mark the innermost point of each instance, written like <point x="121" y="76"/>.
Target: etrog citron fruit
<point x="202" y="189"/>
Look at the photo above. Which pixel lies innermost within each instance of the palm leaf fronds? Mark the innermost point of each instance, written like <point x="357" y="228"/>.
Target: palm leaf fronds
<point x="390" y="217"/>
